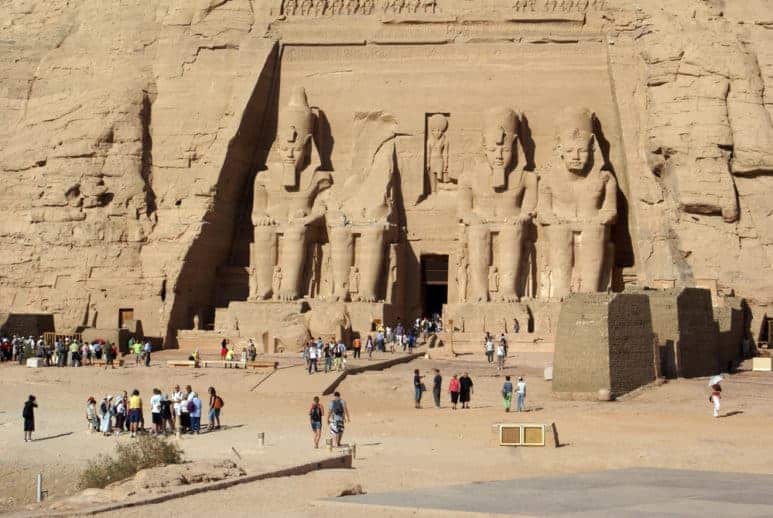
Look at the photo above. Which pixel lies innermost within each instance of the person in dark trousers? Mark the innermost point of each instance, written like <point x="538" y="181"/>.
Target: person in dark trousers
<point x="29" y="417"/>
<point x="437" y="383"/>
<point x="465" y="390"/>
<point x="418" y="387"/>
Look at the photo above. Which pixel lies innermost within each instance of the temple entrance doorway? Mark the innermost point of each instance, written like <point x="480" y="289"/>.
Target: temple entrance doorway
<point x="434" y="284"/>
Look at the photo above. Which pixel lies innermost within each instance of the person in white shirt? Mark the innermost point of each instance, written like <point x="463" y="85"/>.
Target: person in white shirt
<point x="520" y="389"/>
<point x="313" y="356"/>
<point x="155" y="410"/>
<point x="500" y="357"/>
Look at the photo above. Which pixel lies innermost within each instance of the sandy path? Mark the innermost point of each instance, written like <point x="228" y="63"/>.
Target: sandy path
<point x="398" y="446"/>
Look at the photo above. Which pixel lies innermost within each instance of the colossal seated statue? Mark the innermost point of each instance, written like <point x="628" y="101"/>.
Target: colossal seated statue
<point x="364" y="206"/>
<point x="577" y="206"/>
<point x="495" y="198"/>
<point x="284" y="203"/>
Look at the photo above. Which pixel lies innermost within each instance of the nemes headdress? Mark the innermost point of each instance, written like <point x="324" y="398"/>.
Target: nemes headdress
<point x="299" y="120"/>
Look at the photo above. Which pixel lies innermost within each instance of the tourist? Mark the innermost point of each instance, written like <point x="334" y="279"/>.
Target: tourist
<point x="223" y="349"/>
<point x="716" y="397"/>
<point x="137" y="350"/>
<point x="167" y="416"/>
<point x="135" y="411"/>
<point x="369" y="347"/>
<point x="507" y="393"/>
<point x="155" y="411"/>
<point x="380" y="341"/>
<point x="316" y="412"/>
<point x="339" y="414"/>
<point x="465" y="390"/>
<point x="185" y="417"/>
<point x="109" y="357"/>
<point x="503" y="342"/>
<point x="194" y="408"/>
<point x="28" y="414"/>
<point x="229" y="355"/>
<point x="252" y="351"/>
<point x="521" y="393"/>
<point x="177" y="398"/>
<point x="338" y="356"/>
<point x="61" y="355"/>
<point x="500" y="356"/>
<point x="91" y="415"/>
<point x="106" y="416"/>
<point x="215" y="404"/>
<point x="437" y="387"/>
<point x="356" y="346"/>
<point x="488" y="347"/>
<point x="146" y="349"/>
<point x="418" y="388"/>
<point x="453" y="388"/>
<point x="328" y="351"/>
<point x="85" y="353"/>
<point x="119" y="409"/>
<point x="311" y="349"/>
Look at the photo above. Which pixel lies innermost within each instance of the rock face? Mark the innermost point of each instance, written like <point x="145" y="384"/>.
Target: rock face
<point x="164" y="158"/>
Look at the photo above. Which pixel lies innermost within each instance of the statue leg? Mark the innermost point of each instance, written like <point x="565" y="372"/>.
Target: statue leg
<point x="371" y="261"/>
<point x="590" y="262"/>
<point x="560" y="257"/>
<point x="292" y="260"/>
<point x="342" y="256"/>
<point x="509" y="261"/>
<point x="263" y="260"/>
<point x="479" y="250"/>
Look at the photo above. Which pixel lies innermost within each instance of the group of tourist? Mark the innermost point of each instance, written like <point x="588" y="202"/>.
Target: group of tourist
<point x="181" y="412"/>
<point x="228" y="352"/>
<point x="69" y="351"/>
<point x="460" y="390"/>
<point x="501" y="349"/>
<point x="332" y="354"/>
<point x="337" y="417"/>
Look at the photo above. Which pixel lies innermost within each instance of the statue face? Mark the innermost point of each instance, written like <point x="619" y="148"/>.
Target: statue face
<point x="293" y="148"/>
<point x="437" y="133"/>
<point x="498" y="147"/>
<point x="576" y="153"/>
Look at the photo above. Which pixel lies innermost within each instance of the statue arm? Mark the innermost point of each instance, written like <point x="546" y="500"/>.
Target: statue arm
<point x="260" y="211"/>
<point x="608" y="211"/>
<point x="445" y="154"/>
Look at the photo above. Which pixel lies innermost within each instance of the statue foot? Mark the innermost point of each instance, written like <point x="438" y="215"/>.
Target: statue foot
<point x="285" y="297"/>
<point x="367" y="298"/>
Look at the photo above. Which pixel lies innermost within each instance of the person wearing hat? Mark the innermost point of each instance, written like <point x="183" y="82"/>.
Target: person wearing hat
<point x="91" y="415"/>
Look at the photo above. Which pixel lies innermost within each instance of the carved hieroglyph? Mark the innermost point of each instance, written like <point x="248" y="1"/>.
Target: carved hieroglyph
<point x="284" y="202"/>
<point x="577" y="205"/>
<point x="494" y="197"/>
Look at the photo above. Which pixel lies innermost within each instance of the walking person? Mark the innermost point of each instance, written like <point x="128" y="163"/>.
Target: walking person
<point x="521" y="393"/>
<point x="28" y="414"/>
<point x="147" y="349"/>
<point x="488" y="347"/>
<point x="356" y="347"/>
<point x="215" y="404"/>
<point x="453" y="389"/>
<point x="313" y="356"/>
<point x="418" y="388"/>
<point x="716" y="397"/>
<point x="465" y="390"/>
<point x="316" y="412"/>
<point x="507" y="393"/>
<point x="437" y="384"/>
<point x="91" y="415"/>
<point x="369" y="347"/>
<point x="339" y="414"/>
<point x="500" y="356"/>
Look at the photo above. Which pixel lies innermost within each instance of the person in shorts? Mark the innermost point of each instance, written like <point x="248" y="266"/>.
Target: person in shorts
<point x="316" y="412"/>
<point x="215" y="404"/>
<point x="135" y="412"/>
<point x="339" y="414"/>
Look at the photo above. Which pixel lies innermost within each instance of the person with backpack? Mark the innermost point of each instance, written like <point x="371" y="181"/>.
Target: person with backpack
<point x="215" y="404"/>
<point x="316" y="412"/>
<point x="28" y="414"/>
<point x="339" y="414"/>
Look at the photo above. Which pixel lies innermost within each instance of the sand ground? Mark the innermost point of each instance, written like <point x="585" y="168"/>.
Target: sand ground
<point x="398" y="446"/>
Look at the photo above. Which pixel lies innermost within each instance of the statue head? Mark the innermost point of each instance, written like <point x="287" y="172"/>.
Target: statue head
<point x="575" y="139"/>
<point x="294" y="134"/>
<point x="438" y="125"/>
<point x="500" y="131"/>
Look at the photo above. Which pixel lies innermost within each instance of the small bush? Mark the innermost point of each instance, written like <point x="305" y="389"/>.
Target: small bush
<point x="148" y="452"/>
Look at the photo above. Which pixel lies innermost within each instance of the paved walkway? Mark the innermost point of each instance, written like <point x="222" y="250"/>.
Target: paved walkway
<point x="640" y="492"/>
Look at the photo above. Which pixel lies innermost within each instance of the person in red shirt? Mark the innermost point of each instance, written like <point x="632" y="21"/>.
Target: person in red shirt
<point x="453" y="388"/>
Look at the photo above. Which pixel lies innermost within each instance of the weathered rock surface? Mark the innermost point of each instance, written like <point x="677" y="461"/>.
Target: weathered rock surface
<point x="131" y="134"/>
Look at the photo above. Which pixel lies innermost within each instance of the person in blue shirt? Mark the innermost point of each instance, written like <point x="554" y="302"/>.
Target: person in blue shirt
<point x="507" y="393"/>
